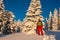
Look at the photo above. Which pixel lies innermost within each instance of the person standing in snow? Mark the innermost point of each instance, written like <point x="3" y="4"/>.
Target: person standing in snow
<point x="40" y="27"/>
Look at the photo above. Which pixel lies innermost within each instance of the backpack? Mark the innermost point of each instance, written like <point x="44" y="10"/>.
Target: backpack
<point x="40" y="23"/>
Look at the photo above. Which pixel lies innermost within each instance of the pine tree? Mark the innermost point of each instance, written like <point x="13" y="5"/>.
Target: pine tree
<point x="46" y="24"/>
<point x="55" y="20"/>
<point x="59" y="20"/>
<point x="32" y="16"/>
<point x="1" y="6"/>
<point x="1" y="11"/>
<point x="19" y="25"/>
<point x="19" y="22"/>
<point x="50" y="21"/>
<point x="6" y="19"/>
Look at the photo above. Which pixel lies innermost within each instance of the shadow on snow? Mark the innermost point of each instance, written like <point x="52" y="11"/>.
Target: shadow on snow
<point x="56" y="33"/>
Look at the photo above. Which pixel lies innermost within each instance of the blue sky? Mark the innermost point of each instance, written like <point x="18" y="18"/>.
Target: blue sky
<point x="19" y="7"/>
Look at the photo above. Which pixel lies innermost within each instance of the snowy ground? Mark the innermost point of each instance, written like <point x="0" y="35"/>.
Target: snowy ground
<point x="50" y="35"/>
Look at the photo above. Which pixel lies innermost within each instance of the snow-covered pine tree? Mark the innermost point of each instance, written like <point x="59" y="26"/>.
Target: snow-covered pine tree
<point x="59" y="20"/>
<point x="55" y="20"/>
<point x="6" y="19"/>
<point x="32" y="16"/>
<point x="1" y="11"/>
<point x="50" y="21"/>
<point x="19" y="25"/>
<point x="1" y="6"/>
<point x="46" y="24"/>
